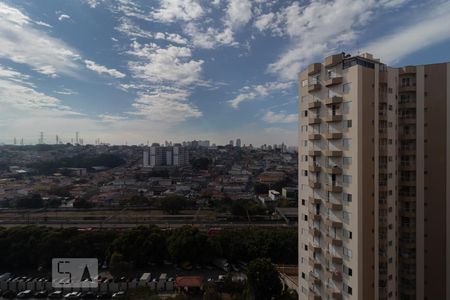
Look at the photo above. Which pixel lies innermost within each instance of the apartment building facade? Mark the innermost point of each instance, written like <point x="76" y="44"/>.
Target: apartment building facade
<point x="374" y="180"/>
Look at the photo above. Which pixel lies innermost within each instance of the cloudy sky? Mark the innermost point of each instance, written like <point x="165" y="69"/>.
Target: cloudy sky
<point x="155" y="70"/>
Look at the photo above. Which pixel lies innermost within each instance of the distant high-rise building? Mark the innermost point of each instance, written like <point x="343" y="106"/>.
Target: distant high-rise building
<point x="374" y="180"/>
<point x="146" y="158"/>
<point x="238" y="143"/>
<point x="175" y="155"/>
<point x="231" y="143"/>
<point x="76" y="138"/>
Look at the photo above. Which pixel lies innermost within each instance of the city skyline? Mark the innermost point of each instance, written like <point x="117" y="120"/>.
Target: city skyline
<point x="130" y="71"/>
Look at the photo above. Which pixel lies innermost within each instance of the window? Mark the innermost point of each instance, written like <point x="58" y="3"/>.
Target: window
<point x="304" y="82"/>
<point x="346" y="216"/>
<point x="331" y="73"/>
<point x="347" y="234"/>
<point x="346" y="143"/>
<point x="347" y="179"/>
<point x="305" y="143"/>
<point x="305" y="113"/>
<point x="347" y="252"/>
<point x="346" y="87"/>
<point x="303" y="202"/>
<point x="349" y="123"/>
<point x="347" y="198"/>
<point x="346" y="106"/>
<point x="348" y="270"/>
<point x="347" y="161"/>
<point x="305" y="172"/>
<point x="305" y="98"/>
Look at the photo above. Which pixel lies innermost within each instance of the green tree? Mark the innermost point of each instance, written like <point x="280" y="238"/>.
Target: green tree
<point x="201" y="163"/>
<point x="260" y="188"/>
<point x="141" y="245"/>
<point x="172" y="204"/>
<point x="33" y="201"/>
<point x="118" y="267"/>
<point x="189" y="244"/>
<point x="263" y="279"/>
<point x="211" y="293"/>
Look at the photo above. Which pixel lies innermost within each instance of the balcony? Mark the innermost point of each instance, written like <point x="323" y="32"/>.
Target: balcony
<point x="314" y="87"/>
<point x="334" y="170"/>
<point x="314" y="200"/>
<point x="334" y="206"/>
<point x="315" y="264"/>
<point x="334" y="241"/>
<point x="314" y="168"/>
<point x="314" y="184"/>
<point x="333" y="153"/>
<point x="313" y="296"/>
<point x="314" y="136"/>
<point x="334" y="135"/>
<point x="334" y="294"/>
<point x="333" y="81"/>
<point x="314" y="232"/>
<point x="337" y="260"/>
<point x="333" y="223"/>
<point x="407" y="70"/>
<point x="333" y="60"/>
<point x="408" y="136"/>
<point x="313" y="120"/>
<point x="333" y="188"/>
<point x="333" y="100"/>
<point x="335" y="275"/>
<point x="333" y="118"/>
<point x="315" y="281"/>
<point x="315" y="248"/>
<point x="314" y="153"/>
<point x="314" y="68"/>
<point x="314" y="104"/>
<point x="407" y="104"/>
<point x="407" y="88"/>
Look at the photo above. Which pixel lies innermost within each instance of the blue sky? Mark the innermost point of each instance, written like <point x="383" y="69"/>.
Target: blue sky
<point x="155" y="70"/>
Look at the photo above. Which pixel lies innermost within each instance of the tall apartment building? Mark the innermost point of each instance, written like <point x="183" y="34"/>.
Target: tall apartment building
<point x="175" y="155"/>
<point x="374" y="180"/>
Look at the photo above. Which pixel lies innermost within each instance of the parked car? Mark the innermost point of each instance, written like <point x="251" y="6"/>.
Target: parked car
<point x="119" y="295"/>
<point x="88" y="295"/>
<point x="104" y="296"/>
<point x="56" y="295"/>
<point x="73" y="295"/>
<point x="25" y="294"/>
<point x="40" y="295"/>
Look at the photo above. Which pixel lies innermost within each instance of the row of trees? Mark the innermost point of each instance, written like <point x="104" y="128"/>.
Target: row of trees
<point x="78" y="161"/>
<point x="33" y="247"/>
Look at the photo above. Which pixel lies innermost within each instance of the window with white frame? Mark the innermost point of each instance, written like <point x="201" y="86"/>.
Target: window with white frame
<point x="347" y="252"/>
<point x="346" y="87"/>
<point x="304" y="82"/>
<point x="346" y="143"/>
<point x="347" y="179"/>
<point x="346" y="161"/>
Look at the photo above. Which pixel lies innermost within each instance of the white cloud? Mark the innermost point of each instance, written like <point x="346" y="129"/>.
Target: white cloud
<point x="172" y="64"/>
<point x="111" y="118"/>
<point x="91" y="65"/>
<point x="127" y="27"/>
<point x="281" y="117"/>
<point x="251" y="93"/>
<point x="210" y="37"/>
<point x="166" y="105"/>
<point x="318" y="29"/>
<point x="22" y="43"/>
<point x="19" y="94"/>
<point x="173" y="10"/>
<point x="430" y="29"/>
<point x="239" y="13"/>
<point x="44" y="24"/>
<point x="63" y="17"/>
<point x="66" y="92"/>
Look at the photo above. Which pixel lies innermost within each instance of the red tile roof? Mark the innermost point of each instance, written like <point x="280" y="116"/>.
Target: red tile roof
<point x="189" y="281"/>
